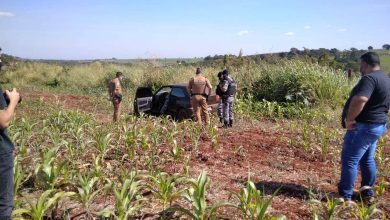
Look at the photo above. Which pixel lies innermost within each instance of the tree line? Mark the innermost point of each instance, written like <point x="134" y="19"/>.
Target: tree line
<point x="335" y="58"/>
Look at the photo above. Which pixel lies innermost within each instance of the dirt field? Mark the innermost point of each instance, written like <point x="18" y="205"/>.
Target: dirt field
<point x="260" y="149"/>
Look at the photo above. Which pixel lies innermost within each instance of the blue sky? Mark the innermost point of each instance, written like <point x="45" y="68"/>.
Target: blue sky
<point x="87" y="29"/>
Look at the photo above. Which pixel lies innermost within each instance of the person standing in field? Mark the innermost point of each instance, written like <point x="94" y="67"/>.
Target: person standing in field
<point x="6" y="153"/>
<point x="228" y="88"/>
<point x="115" y="92"/>
<point x="218" y="91"/>
<point x="197" y="88"/>
<point x="365" y="115"/>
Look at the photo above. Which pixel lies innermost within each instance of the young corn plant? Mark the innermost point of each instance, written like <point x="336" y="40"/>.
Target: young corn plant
<point x="186" y="169"/>
<point x="163" y="186"/>
<point x="369" y="212"/>
<point x="19" y="175"/>
<point x="101" y="141"/>
<point x="143" y="140"/>
<point x="97" y="168"/>
<point x="196" y="196"/>
<point x="175" y="149"/>
<point x="379" y="156"/>
<point x="305" y="137"/>
<point x="48" y="171"/>
<point x="212" y="131"/>
<point x="381" y="188"/>
<point x="37" y="210"/>
<point x="195" y="133"/>
<point x="325" y="143"/>
<point x="130" y="136"/>
<point x="79" y="136"/>
<point x="85" y="193"/>
<point x="127" y="201"/>
<point x="270" y="108"/>
<point x="329" y="208"/>
<point x="252" y="203"/>
<point x="70" y="148"/>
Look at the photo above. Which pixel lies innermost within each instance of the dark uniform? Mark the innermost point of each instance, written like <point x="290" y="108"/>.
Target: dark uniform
<point x="228" y="89"/>
<point x="219" y="92"/>
<point x="6" y="169"/>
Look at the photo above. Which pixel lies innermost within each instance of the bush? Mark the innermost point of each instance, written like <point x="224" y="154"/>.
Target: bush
<point x="300" y="82"/>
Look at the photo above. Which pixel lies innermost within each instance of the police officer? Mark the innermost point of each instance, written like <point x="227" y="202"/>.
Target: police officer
<point x="228" y="90"/>
<point x="197" y="88"/>
<point x="7" y="108"/>
<point x="115" y="92"/>
<point x="219" y="92"/>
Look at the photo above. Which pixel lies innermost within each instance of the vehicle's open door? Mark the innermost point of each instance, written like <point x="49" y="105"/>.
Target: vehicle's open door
<point x="143" y="100"/>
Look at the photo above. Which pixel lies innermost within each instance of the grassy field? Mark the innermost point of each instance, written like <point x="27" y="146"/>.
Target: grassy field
<point x="281" y="160"/>
<point x="385" y="60"/>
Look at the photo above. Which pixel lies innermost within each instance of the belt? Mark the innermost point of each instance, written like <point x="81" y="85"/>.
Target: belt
<point x="198" y="94"/>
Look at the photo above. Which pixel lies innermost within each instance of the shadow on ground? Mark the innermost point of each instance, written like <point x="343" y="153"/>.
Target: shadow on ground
<point x="287" y="189"/>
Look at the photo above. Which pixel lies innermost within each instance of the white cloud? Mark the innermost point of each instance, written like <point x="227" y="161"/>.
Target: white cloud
<point x="289" y="33"/>
<point x="242" y="33"/>
<point x="6" y="14"/>
<point x="342" y="30"/>
<point x="307" y="27"/>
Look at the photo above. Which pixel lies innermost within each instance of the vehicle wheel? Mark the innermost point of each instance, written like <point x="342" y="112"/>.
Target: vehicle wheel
<point x="135" y="109"/>
<point x="181" y="115"/>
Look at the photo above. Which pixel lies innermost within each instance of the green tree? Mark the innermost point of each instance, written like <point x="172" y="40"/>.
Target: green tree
<point x="370" y="48"/>
<point x="225" y="60"/>
<point x="324" y="60"/>
<point x="386" y="46"/>
<point x="240" y="53"/>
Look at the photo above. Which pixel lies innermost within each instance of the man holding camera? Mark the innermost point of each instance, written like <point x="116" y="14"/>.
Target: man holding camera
<point x="365" y="115"/>
<point x="6" y="152"/>
<point x="115" y="92"/>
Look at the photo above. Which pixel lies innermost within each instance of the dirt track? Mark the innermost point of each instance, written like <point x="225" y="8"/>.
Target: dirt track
<point x="260" y="150"/>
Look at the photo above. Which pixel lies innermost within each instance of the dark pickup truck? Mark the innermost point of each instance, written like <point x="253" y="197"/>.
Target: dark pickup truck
<point x="176" y="99"/>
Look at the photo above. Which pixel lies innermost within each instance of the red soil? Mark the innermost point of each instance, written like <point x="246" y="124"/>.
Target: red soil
<point x="259" y="150"/>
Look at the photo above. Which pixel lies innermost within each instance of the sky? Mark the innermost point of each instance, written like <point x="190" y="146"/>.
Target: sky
<point x="131" y="29"/>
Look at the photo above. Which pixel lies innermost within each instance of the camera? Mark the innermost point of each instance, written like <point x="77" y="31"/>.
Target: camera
<point x="7" y="99"/>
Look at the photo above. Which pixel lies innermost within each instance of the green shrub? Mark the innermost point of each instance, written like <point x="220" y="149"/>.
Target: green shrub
<point x="300" y="82"/>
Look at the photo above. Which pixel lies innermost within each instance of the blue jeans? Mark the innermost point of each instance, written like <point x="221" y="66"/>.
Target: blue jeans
<point x="6" y="185"/>
<point x="359" y="148"/>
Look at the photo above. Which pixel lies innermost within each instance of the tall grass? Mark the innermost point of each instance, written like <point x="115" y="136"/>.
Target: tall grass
<point x="284" y="82"/>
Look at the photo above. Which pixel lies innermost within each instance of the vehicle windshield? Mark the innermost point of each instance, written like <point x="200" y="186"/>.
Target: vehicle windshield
<point x="163" y="90"/>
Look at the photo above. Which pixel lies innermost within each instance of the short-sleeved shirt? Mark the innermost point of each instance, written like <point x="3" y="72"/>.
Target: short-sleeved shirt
<point x="376" y="87"/>
<point x="198" y="84"/>
<point x="6" y="145"/>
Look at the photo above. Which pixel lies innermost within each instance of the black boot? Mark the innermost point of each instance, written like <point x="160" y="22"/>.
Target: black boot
<point x="230" y="123"/>
<point x="225" y="124"/>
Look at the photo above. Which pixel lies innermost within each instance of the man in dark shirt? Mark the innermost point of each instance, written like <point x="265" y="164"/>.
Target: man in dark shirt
<point x="365" y="117"/>
<point x="6" y="153"/>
